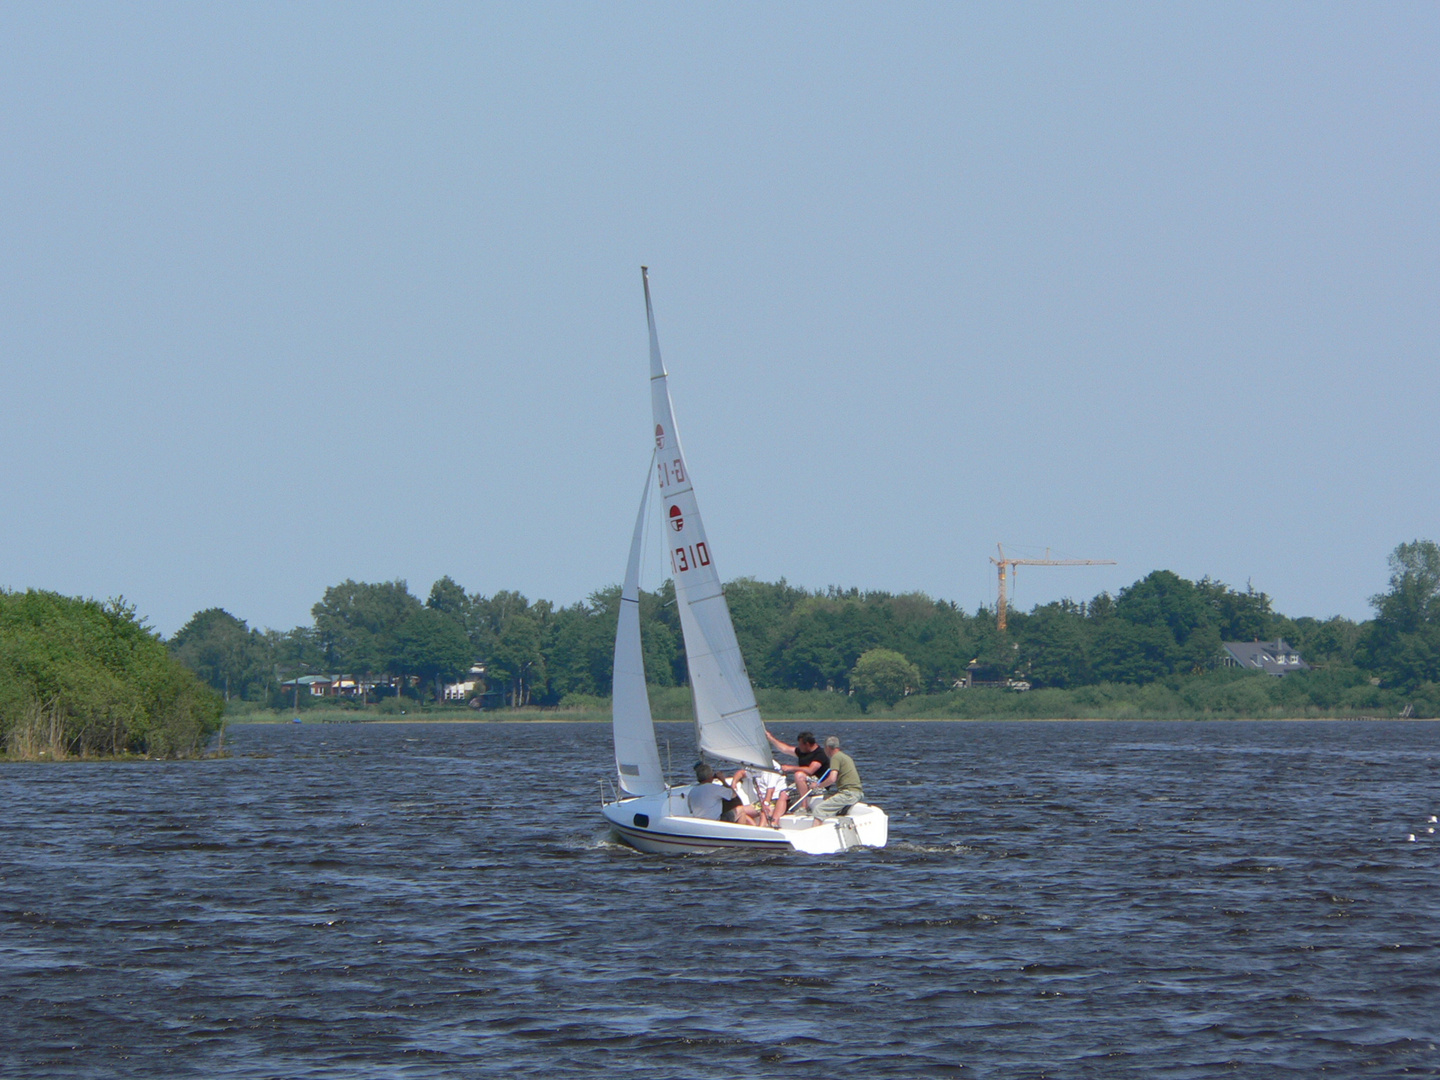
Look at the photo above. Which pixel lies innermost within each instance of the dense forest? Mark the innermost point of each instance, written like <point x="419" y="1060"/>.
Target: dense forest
<point x="81" y="678"/>
<point x="870" y="649"/>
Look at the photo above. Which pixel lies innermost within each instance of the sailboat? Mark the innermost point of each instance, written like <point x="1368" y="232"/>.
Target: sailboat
<point x="646" y="811"/>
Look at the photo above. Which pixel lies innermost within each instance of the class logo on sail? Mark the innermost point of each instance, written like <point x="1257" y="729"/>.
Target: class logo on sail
<point x="677" y="519"/>
<point x="659" y="437"/>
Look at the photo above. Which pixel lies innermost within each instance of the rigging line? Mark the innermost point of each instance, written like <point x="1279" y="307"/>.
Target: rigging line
<point x="646" y="515"/>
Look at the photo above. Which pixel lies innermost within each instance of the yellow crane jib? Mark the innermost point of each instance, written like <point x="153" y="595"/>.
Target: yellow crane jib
<point x="1002" y="562"/>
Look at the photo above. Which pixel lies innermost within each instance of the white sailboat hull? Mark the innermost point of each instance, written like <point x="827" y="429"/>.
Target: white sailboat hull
<point x="660" y="824"/>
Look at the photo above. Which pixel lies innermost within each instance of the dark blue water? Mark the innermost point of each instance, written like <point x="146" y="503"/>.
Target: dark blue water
<point x="1058" y="900"/>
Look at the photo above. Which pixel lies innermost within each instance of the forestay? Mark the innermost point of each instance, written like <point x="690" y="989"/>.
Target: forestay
<point x="726" y="716"/>
<point x="637" y="759"/>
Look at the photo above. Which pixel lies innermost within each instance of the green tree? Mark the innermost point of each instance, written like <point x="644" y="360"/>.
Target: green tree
<point x="449" y="598"/>
<point x="516" y="659"/>
<point x="661" y="639"/>
<point x="929" y="632"/>
<point x="1240" y="616"/>
<point x="1126" y="652"/>
<point x="357" y="625"/>
<point x="821" y="642"/>
<point x="663" y="652"/>
<point x="79" y="677"/>
<point x="1403" y="644"/>
<point x="433" y="646"/>
<point x="1164" y="625"/>
<point x="1165" y="601"/>
<point x="223" y="651"/>
<point x="883" y="675"/>
<point x="580" y="645"/>
<point x="289" y="654"/>
<point x="1055" y="645"/>
<point x="759" y="610"/>
<point x="1329" y="642"/>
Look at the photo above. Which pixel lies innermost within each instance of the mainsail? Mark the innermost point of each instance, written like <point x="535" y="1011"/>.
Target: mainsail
<point x="726" y="716"/>
<point x="637" y="758"/>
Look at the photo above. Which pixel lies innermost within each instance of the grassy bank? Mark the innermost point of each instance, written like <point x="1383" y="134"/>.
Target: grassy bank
<point x="1219" y="695"/>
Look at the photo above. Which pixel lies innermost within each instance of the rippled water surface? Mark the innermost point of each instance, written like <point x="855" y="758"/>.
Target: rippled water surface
<point x="1058" y="899"/>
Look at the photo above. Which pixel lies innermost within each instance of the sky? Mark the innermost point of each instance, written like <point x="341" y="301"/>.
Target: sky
<point x="295" y="293"/>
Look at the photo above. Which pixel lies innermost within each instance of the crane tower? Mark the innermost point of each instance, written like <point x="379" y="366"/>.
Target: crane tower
<point x="1002" y="562"/>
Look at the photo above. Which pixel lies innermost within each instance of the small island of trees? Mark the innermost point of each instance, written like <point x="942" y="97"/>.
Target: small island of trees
<point x="80" y="678"/>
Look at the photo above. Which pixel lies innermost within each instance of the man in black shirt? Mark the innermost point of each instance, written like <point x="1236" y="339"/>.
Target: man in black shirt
<point x="814" y="762"/>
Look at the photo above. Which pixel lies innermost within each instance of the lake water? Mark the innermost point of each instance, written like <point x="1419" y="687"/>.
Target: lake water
<point x="418" y="901"/>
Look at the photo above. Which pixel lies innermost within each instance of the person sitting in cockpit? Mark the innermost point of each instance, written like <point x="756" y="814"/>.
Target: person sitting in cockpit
<point x="708" y="799"/>
<point x="814" y="763"/>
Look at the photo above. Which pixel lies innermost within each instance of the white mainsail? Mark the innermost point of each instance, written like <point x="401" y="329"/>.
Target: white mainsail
<point x="726" y="716"/>
<point x="637" y="758"/>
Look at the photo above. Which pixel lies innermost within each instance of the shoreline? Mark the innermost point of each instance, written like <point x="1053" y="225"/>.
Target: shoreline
<point x="214" y="755"/>
<point x="878" y="720"/>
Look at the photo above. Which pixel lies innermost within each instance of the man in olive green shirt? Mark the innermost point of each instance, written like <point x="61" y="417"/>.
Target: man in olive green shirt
<point x="847" y="782"/>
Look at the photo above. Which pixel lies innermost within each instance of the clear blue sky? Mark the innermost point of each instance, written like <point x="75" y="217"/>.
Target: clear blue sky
<point x="295" y="293"/>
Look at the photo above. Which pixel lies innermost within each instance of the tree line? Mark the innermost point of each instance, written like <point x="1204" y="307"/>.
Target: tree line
<point x="869" y="645"/>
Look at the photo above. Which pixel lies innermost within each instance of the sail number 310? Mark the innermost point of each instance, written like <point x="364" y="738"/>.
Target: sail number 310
<point x="689" y="557"/>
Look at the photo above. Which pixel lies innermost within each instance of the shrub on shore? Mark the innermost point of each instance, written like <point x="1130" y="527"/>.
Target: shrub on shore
<point x="81" y="678"/>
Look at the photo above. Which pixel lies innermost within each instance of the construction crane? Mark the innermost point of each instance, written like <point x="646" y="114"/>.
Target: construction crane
<point x="1002" y="562"/>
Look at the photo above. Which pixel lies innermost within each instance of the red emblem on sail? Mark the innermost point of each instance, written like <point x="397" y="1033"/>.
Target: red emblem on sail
<point x="659" y="436"/>
<point x="676" y="521"/>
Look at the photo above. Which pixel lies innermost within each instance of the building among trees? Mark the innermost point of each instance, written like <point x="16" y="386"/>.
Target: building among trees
<point x="1276" y="657"/>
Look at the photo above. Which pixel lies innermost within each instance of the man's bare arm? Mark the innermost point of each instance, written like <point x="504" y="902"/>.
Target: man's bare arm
<point x="783" y="747"/>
